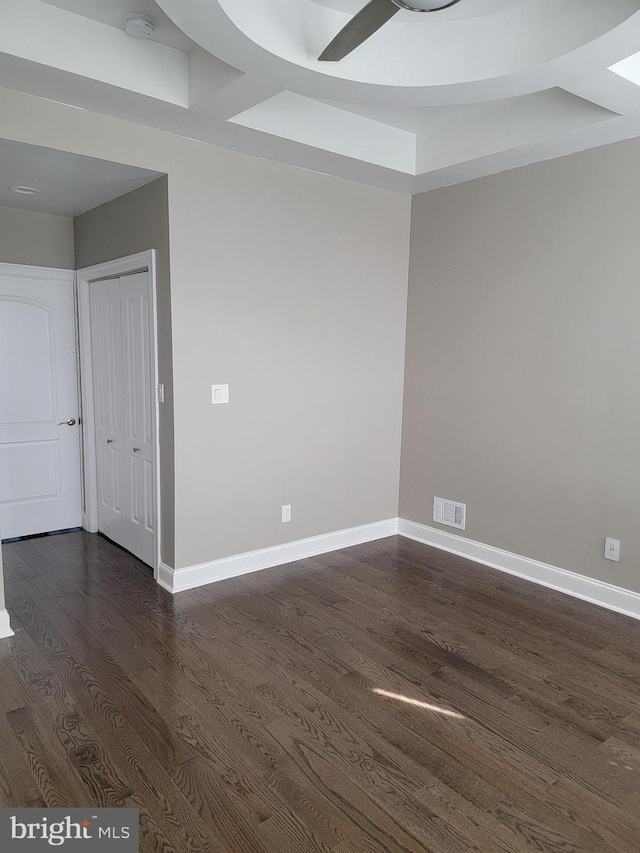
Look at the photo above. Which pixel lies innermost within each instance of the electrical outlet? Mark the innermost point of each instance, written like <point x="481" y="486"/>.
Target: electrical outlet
<point x="612" y="549"/>
<point x="286" y="513"/>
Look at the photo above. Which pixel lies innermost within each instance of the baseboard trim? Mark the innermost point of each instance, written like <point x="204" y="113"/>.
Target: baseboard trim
<point x="606" y="595"/>
<point x="179" y="580"/>
<point x="165" y="577"/>
<point x="5" y="625"/>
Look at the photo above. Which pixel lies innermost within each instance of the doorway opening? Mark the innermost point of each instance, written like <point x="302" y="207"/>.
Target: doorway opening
<point x="67" y="369"/>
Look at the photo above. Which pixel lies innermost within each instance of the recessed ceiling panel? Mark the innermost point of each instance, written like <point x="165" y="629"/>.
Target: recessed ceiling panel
<point x="445" y="139"/>
<point x="69" y="184"/>
<point x="313" y="123"/>
<point x="628" y="68"/>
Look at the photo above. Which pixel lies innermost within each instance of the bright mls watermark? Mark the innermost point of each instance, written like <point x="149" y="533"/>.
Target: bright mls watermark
<point x="103" y="830"/>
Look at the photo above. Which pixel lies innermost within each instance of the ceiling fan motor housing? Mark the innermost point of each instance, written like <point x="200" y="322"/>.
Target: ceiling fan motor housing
<point x="425" y="5"/>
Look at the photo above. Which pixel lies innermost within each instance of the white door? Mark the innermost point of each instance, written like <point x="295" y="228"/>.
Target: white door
<point x="39" y="434"/>
<point x="123" y="376"/>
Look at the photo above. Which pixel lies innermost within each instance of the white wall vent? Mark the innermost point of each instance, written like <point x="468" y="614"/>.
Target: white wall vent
<point x="449" y="512"/>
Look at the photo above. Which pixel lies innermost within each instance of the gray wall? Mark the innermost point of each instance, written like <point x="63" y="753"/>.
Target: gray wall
<point x="2" y="602"/>
<point x="521" y="372"/>
<point x="293" y="290"/>
<point x="36" y="239"/>
<point x="289" y="285"/>
<point x="134" y="223"/>
<point x="523" y="353"/>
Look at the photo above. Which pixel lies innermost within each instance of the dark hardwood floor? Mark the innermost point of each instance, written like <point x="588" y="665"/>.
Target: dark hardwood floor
<point x="388" y="697"/>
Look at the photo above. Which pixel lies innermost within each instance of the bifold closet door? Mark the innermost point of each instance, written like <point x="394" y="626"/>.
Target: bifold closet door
<point x="122" y="361"/>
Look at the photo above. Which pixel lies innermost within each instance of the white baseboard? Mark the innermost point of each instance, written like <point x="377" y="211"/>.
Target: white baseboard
<point x="179" y="580"/>
<point x="5" y="625"/>
<point x="579" y="586"/>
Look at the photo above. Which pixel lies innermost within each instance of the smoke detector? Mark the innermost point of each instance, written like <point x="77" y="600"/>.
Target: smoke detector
<point x="139" y="26"/>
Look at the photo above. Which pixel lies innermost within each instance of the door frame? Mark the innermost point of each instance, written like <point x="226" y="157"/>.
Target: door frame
<point x="140" y="262"/>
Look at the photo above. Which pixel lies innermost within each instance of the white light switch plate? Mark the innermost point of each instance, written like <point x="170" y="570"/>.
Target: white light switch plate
<point x="219" y="394"/>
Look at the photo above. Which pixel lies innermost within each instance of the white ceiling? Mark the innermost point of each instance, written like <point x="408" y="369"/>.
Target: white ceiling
<point x="473" y="8"/>
<point x="113" y="13"/>
<point x="429" y="100"/>
<point x="69" y="184"/>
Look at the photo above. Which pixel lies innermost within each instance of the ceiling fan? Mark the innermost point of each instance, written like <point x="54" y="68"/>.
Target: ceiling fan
<point x="368" y="20"/>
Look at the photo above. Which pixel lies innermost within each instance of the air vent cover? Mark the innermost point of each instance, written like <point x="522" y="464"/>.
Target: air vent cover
<point x="449" y="512"/>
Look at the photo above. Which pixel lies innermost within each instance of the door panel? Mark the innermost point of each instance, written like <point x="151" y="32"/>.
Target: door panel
<point x="39" y="453"/>
<point x="26" y="341"/>
<point x="106" y="342"/>
<point x="107" y="346"/>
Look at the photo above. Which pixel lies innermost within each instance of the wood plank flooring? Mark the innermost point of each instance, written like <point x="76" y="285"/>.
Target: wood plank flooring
<point x="387" y="697"/>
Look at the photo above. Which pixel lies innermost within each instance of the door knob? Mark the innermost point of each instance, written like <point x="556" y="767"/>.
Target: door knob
<point x="136" y="449"/>
<point x="69" y="422"/>
<point x="109" y="441"/>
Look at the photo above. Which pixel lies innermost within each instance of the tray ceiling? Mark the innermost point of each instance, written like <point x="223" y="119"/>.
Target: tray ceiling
<point x="429" y="100"/>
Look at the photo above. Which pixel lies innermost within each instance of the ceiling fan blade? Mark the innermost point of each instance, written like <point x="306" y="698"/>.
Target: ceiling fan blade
<point x="368" y="20"/>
